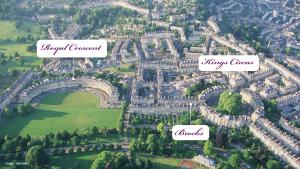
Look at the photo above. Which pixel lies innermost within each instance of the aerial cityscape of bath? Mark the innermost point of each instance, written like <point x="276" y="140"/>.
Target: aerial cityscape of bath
<point x="118" y="111"/>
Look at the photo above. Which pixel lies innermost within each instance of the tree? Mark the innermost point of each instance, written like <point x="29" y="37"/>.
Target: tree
<point x="148" y="164"/>
<point x="184" y="119"/>
<point x="151" y="143"/>
<point x="105" y="131"/>
<point x="199" y="121"/>
<point x="24" y="109"/>
<point x="102" y="159"/>
<point x="230" y="103"/>
<point x="221" y="138"/>
<point x="121" y="161"/>
<point x="202" y="11"/>
<point x="272" y="111"/>
<point x="13" y="72"/>
<point x="134" y="144"/>
<point x="143" y="163"/>
<point x="234" y="160"/>
<point x="7" y="113"/>
<point x="75" y="140"/>
<point x="208" y="148"/>
<point x="9" y="146"/>
<point x="288" y="50"/>
<point x="36" y="156"/>
<point x="247" y="155"/>
<point x="65" y="135"/>
<point x="7" y="8"/>
<point x="140" y="162"/>
<point x="160" y="128"/>
<point x="272" y="164"/>
<point x="43" y="73"/>
<point x="223" y="165"/>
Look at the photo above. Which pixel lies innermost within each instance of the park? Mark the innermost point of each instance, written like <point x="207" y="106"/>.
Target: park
<point x="62" y="111"/>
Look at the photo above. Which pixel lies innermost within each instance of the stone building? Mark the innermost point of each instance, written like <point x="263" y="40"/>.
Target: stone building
<point x="289" y="127"/>
<point x="111" y="92"/>
<point x="276" y="146"/>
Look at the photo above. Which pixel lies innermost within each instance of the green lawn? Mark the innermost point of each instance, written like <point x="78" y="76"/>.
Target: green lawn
<point x="30" y="59"/>
<point x="72" y="161"/>
<point x="62" y="111"/>
<point x="8" y="29"/>
<point x="162" y="162"/>
<point x="123" y="68"/>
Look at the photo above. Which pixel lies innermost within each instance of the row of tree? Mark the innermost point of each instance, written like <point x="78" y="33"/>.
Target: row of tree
<point x="60" y="139"/>
<point x="7" y="9"/>
<point x="166" y="119"/>
<point x="98" y="18"/>
<point x="120" y="160"/>
<point x="122" y="116"/>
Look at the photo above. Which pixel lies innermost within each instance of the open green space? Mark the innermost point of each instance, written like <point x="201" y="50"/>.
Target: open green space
<point x="123" y="68"/>
<point x="162" y="162"/>
<point x="62" y="111"/>
<point x="10" y="31"/>
<point x="78" y="161"/>
<point x="70" y="161"/>
<point x="9" y="45"/>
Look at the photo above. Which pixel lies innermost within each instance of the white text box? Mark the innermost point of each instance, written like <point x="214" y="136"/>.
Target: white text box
<point x="71" y="48"/>
<point x="228" y="63"/>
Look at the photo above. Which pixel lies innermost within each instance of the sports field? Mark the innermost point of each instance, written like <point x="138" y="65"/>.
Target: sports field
<point x="62" y="111"/>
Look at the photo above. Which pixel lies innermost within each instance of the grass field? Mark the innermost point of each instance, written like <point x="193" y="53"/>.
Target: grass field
<point x="123" y="68"/>
<point x="62" y="111"/>
<point x="162" y="162"/>
<point x="8" y="29"/>
<point x="78" y="161"/>
<point x="165" y="163"/>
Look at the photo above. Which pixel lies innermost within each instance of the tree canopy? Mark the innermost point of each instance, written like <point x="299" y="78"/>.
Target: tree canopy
<point x="36" y="156"/>
<point x="208" y="148"/>
<point x="272" y="164"/>
<point x="230" y="103"/>
<point x="102" y="159"/>
<point x="234" y="160"/>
